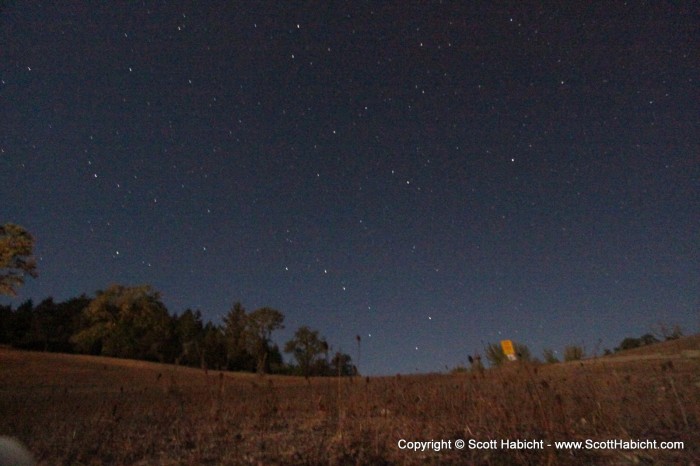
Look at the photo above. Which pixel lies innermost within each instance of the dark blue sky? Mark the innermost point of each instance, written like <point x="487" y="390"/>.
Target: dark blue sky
<point x="428" y="175"/>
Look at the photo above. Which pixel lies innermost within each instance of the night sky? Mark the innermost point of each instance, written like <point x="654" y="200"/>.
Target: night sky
<point x="430" y="176"/>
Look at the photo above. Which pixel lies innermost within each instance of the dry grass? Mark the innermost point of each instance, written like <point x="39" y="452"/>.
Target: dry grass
<point x="80" y="410"/>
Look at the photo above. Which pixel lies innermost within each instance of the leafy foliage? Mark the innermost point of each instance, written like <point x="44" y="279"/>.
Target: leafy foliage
<point x="132" y="322"/>
<point x="16" y="258"/>
<point x="213" y="347"/>
<point x="237" y="354"/>
<point x="644" y="340"/>
<point x="188" y="332"/>
<point x="259" y="326"/>
<point x="342" y="365"/>
<point x="127" y="322"/>
<point x="307" y="347"/>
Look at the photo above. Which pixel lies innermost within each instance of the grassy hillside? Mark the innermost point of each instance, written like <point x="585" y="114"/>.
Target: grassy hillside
<point x="89" y="410"/>
<point x="682" y="347"/>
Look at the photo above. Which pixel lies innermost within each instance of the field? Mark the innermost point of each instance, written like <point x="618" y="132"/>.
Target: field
<point x="82" y="410"/>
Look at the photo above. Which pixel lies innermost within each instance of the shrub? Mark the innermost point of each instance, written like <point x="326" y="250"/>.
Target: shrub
<point x="549" y="356"/>
<point x="573" y="353"/>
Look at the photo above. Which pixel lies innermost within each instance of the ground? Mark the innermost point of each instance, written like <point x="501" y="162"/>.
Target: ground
<point x="84" y="410"/>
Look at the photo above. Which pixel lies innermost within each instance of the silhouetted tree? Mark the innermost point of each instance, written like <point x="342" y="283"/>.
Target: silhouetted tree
<point x="6" y="324"/>
<point x="53" y="324"/>
<point x="18" y="322"/>
<point x="43" y="322"/>
<point x="128" y="322"/>
<point x="189" y="334"/>
<point x="213" y="347"/>
<point x="259" y="327"/>
<point x="306" y="347"/>
<point x="69" y="314"/>
<point x="341" y="365"/>
<point x="648" y="339"/>
<point x="275" y="361"/>
<point x="237" y="354"/>
<point x="630" y="343"/>
<point x="16" y="258"/>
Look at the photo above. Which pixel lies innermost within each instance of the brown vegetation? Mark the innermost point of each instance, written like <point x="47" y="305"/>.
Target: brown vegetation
<point x="85" y="410"/>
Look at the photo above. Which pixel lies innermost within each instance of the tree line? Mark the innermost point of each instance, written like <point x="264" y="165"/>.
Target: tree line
<point x="133" y="322"/>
